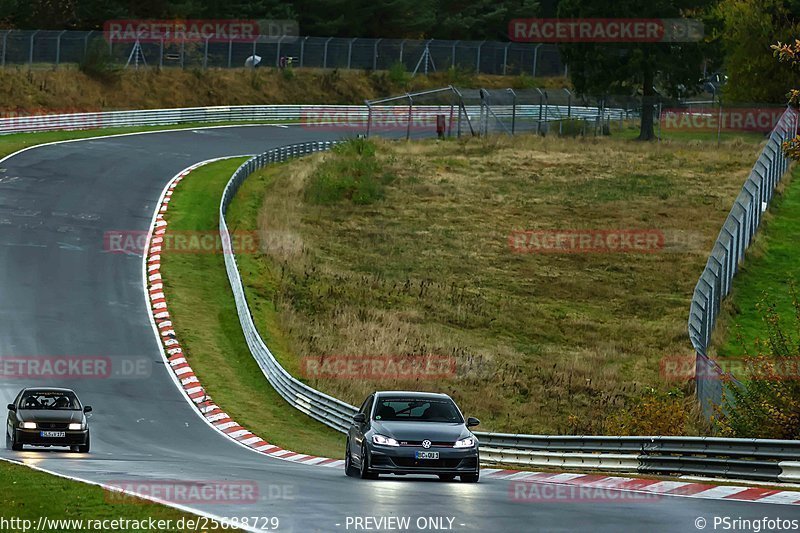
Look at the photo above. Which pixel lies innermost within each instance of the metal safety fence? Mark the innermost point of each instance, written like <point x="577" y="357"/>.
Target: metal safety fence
<point x="729" y="249"/>
<point x="45" y="47"/>
<point x="757" y="459"/>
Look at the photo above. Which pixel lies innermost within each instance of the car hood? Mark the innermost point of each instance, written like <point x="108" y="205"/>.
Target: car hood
<point x="418" y="431"/>
<point x="38" y="415"/>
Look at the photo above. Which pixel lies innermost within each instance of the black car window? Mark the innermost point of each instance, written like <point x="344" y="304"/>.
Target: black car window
<point x="417" y="410"/>
<point x="367" y="406"/>
<point x="48" y="400"/>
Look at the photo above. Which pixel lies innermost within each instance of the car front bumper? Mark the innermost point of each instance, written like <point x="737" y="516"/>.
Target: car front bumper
<point x="402" y="460"/>
<point x="33" y="437"/>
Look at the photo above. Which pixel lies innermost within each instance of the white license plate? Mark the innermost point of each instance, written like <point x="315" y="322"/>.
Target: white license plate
<point x="427" y="455"/>
<point x="53" y="434"/>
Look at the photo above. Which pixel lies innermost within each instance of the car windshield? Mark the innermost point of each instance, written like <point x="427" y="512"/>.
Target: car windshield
<point x="50" y="400"/>
<point x="417" y="410"/>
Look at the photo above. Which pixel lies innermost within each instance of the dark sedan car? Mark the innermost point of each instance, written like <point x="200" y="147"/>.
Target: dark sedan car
<point x="48" y="417"/>
<point x="412" y="433"/>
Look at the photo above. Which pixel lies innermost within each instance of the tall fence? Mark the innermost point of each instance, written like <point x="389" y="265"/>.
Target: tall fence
<point x="44" y="47"/>
<point x="729" y="249"/>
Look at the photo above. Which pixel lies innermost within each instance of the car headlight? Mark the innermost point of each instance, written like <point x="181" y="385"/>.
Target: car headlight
<point x="469" y="442"/>
<point x="384" y="441"/>
<point x="28" y="425"/>
<point x="76" y="427"/>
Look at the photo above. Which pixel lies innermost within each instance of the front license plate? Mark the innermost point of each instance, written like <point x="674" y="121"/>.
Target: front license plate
<point x="53" y="434"/>
<point x="427" y="455"/>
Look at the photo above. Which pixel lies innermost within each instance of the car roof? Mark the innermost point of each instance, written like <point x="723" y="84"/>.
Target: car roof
<point x="412" y="394"/>
<point x="47" y="389"/>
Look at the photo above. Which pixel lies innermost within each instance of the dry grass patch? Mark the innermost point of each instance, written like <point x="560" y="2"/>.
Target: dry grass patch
<point x="543" y="343"/>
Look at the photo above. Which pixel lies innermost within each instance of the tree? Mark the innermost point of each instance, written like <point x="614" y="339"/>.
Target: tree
<point x="628" y="69"/>
<point x="749" y="27"/>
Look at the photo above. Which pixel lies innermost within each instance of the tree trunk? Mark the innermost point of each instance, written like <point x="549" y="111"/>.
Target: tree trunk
<point x="648" y="99"/>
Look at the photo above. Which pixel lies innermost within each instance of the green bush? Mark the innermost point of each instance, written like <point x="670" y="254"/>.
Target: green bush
<point x="572" y="127"/>
<point x="398" y="74"/>
<point x="766" y="404"/>
<point x="351" y="172"/>
<point x="98" y="62"/>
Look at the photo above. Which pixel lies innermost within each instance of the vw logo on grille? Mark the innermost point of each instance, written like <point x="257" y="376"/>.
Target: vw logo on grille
<point x="426" y="444"/>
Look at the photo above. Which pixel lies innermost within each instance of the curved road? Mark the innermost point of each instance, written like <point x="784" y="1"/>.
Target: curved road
<point x="61" y="294"/>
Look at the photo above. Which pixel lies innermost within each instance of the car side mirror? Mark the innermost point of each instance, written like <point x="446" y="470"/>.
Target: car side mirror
<point x="472" y="422"/>
<point x="87" y="409"/>
<point x="12" y="407"/>
<point x="359" y="418"/>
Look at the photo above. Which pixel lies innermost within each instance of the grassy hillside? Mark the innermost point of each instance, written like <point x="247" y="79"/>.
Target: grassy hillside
<point x="70" y="89"/>
<point x="406" y="252"/>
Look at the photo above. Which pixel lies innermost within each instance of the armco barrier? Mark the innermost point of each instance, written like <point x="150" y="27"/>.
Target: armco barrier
<point x="757" y="459"/>
<point x="345" y="115"/>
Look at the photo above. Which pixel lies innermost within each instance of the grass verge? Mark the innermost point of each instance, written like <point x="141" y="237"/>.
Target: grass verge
<point x="206" y="322"/>
<point x="772" y="263"/>
<point x="64" y="499"/>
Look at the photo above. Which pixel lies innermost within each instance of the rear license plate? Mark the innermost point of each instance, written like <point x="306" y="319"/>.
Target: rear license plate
<point x="427" y="455"/>
<point x="53" y="434"/>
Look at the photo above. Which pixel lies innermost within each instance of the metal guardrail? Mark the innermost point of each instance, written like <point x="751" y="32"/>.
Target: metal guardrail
<point x="345" y="117"/>
<point x="757" y="459"/>
<point x="729" y="249"/>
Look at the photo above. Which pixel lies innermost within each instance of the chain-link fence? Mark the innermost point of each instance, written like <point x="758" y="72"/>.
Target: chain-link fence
<point x="45" y="48"/>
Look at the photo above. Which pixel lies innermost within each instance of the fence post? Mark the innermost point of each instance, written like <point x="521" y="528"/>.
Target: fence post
<point x="205" y="55"/>
<point x="453" y="63"/>
<point x="230" y="51"/>
<point x="58" y="47"/>
<point x="303" y="50"/>
<point x="569" y="102"/>
<point x="513" y="109"/>
<point x="350" y="52"/>
<point x="369" y="117"/>
<point x="410" y="107"/>
<point x="478" y="60"/>
<point x="85" y="45"/>
<point x="161" y="52"/>
<point x="505" y="58"/>
<point x="30" y="51"/>
<point x="325" y="54"/>
<point x="183" y="51"/>
<point x="278" y="52"/>
<point x="535" y="58"/>
<point x="5" y="43"/>
<point x="375" y="55"/>
<point x="402" y="44"/>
